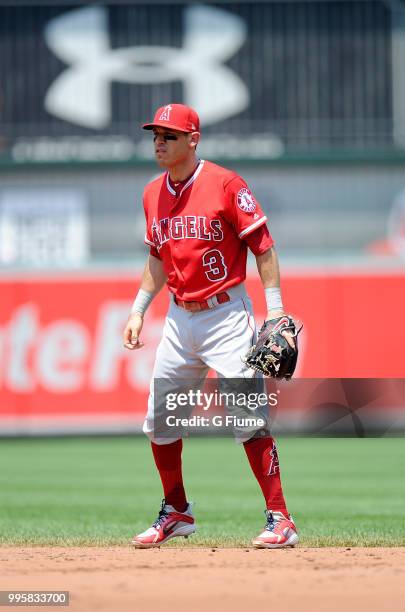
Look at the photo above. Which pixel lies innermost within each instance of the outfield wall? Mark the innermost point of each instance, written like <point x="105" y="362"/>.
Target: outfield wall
<point x="63" y="367"/>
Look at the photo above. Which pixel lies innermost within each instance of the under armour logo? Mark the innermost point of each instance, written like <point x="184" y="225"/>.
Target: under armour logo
<point x="81" y="94"/>
<point x="165" y="116"/>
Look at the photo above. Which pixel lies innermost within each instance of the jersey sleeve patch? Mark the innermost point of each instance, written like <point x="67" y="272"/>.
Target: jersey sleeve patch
<point x="246" y="201"/>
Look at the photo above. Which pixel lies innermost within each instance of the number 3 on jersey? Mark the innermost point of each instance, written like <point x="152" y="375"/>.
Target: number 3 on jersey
<point x="214" y="263"/>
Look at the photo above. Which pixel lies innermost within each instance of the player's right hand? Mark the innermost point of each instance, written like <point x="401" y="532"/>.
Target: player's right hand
<point x="132" y="331"/>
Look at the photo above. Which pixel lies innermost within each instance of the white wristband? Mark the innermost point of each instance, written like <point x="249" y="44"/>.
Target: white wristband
<point x="142" y="301"/>
<point x="273" y="298"/>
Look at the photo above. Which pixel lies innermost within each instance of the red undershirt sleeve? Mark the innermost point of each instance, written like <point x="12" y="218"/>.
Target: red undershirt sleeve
<point x="153" y="251"/>
<point x="260" y="240"/>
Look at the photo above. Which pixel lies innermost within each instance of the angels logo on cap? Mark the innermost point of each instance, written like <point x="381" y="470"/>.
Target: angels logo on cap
<point x="246" y="201"/>
<point x="165" y="116"/>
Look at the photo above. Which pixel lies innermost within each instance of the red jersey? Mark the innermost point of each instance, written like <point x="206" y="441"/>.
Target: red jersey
<point x="199" y="234"/>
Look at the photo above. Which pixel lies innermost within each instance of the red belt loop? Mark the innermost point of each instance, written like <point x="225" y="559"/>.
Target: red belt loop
<point x="221" y="298"/>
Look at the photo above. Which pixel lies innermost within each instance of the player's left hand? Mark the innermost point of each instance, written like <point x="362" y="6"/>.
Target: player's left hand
<point x="273" y="355"/>
<point x="288" y="335"/>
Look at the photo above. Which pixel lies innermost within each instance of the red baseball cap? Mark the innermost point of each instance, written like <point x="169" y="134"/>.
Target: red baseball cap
<point x="177" y="117"/>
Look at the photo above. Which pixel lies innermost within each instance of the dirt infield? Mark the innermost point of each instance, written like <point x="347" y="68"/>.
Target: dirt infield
<point x="190" y="579"/>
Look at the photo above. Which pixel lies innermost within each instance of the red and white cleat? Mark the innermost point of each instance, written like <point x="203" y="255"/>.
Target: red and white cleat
<point x="279" y="532"/>
<point x="169" y="524"/>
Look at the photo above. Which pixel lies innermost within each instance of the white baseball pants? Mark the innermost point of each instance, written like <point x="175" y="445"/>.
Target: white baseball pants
<point x="192" y="343"/>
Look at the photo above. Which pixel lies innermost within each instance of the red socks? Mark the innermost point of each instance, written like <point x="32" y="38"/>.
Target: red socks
<point x="263" y="459"/>
<point x="168" y="462"/>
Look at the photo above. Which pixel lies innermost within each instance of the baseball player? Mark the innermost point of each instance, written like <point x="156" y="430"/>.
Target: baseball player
<point x="200" y="221"/>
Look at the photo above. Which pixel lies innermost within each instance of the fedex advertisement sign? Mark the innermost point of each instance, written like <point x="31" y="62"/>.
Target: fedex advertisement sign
<point x="63" y="356"/>
<point x="61" y="348"/>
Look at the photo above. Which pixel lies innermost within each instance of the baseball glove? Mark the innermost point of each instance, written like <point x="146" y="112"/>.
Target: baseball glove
<point x="272" y="355"/>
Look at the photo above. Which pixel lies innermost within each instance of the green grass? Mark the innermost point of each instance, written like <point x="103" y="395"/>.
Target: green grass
<point x="99" y="491"/>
